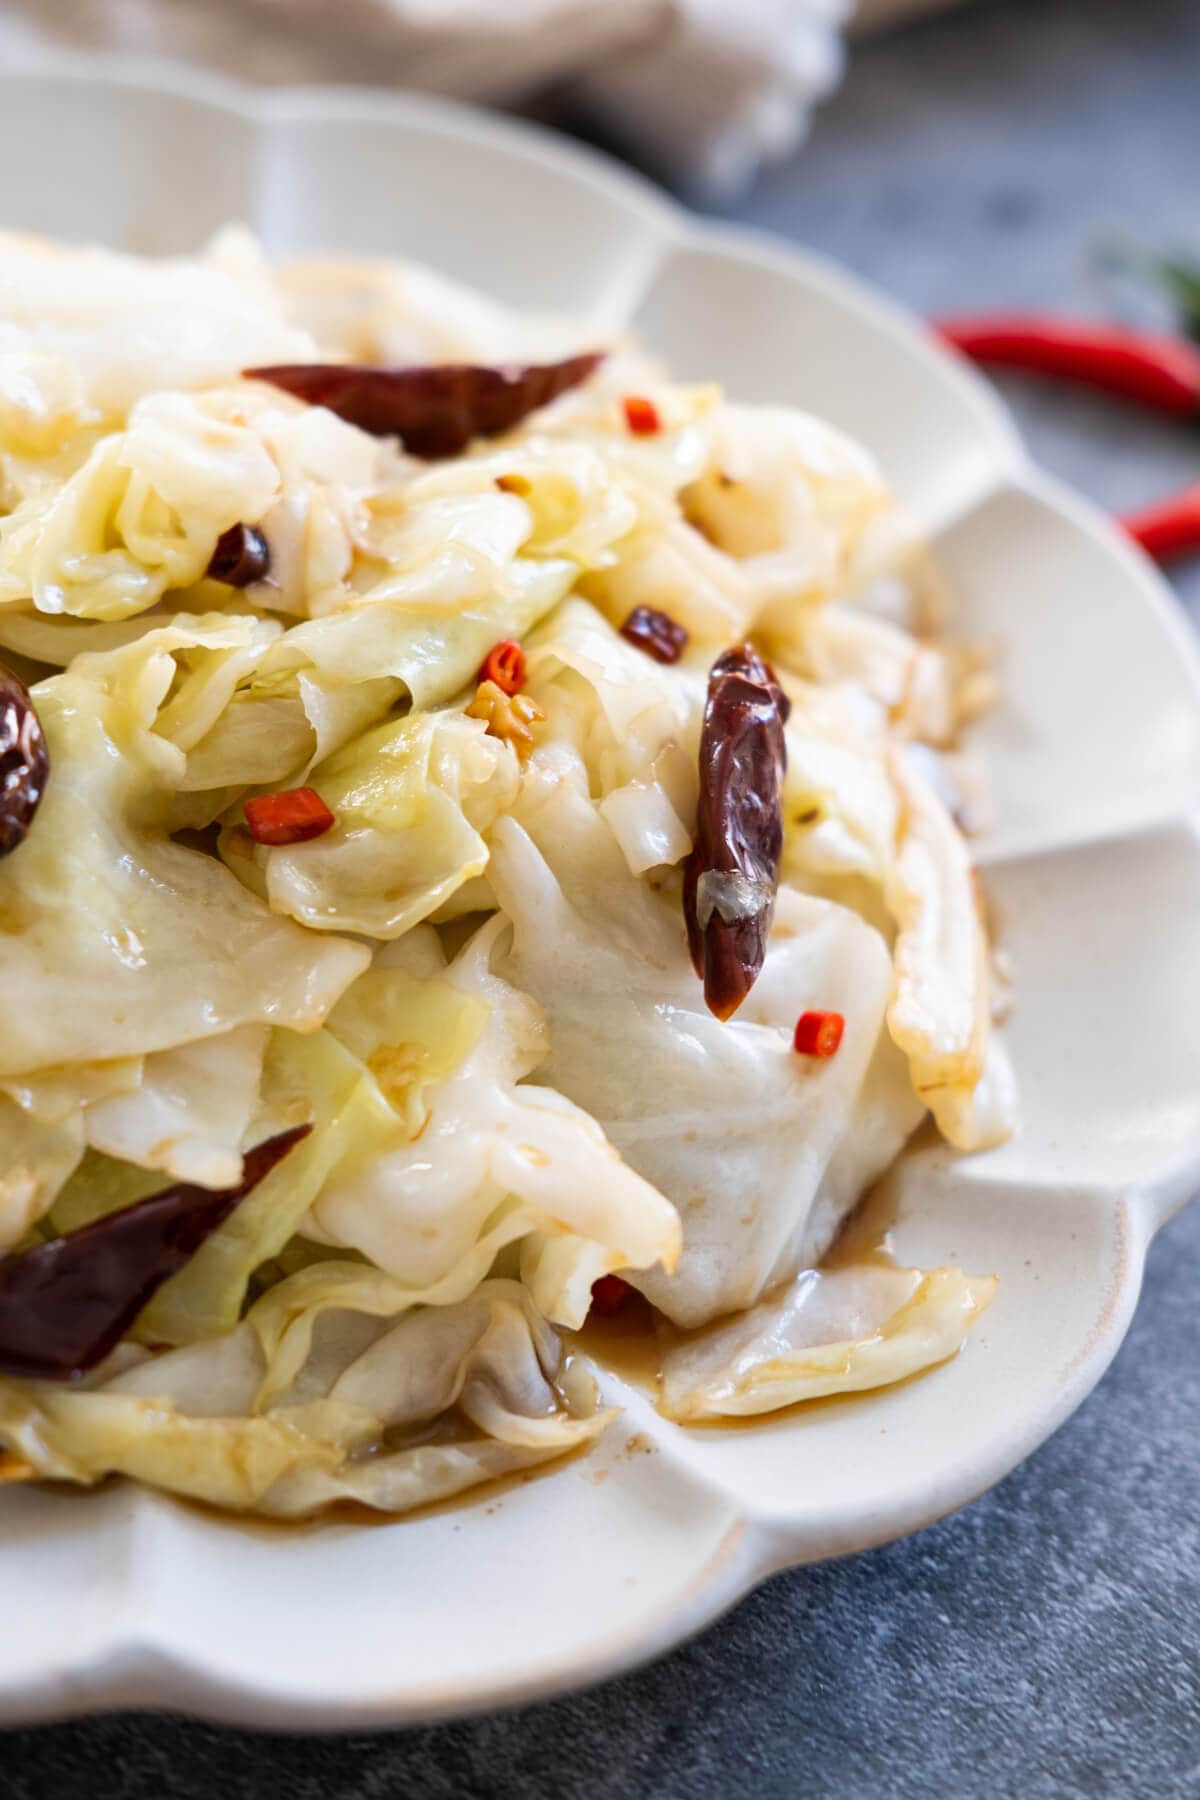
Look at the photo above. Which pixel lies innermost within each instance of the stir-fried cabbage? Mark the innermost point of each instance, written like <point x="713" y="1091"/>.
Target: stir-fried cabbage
<point x="382" y="822"/>
<point x="831" y="1332"/>
<point x="461" y="1393"/>
<point x="724" y="1118"/>
<point x="118" y="939"/>
<point x="490" y="1140"/>
<point x="411" y="799"/>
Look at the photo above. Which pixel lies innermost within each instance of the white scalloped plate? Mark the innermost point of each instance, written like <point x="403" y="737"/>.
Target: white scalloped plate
<point x="120" y="1598"/>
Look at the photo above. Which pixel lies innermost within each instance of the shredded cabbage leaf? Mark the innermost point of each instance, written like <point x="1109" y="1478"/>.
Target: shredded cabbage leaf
<point x="120" y="941"/>
<point x="836" y="1331"/>
<point x="724" y="1118"/>
<point x="474" y="1387"/>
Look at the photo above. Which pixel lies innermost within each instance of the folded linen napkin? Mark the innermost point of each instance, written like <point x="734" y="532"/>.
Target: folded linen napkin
<point x="701" y="90"/>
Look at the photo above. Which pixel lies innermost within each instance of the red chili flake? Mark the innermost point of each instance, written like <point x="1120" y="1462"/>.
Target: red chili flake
<point x="609" y="1295"/>
<point x="656" y="633"/>
<point x="288" y="818"/>
<point x="241" y="557"/>
<point x="505" y="665"/>
<point x="819" y="1033"/>
<point x="641" y="415"/>
<point x="514" y="484"/>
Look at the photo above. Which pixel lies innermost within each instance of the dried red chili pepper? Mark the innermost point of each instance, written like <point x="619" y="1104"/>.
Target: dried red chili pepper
<point x="732" y="874"/>
<point x="818" y="1033"/>
<point x="657" y="633"/>
<point x="241" y="557"/>
<point x="1162" y="373"/>
<point x="437" y="410"/>
<point x="65" y="1304"/>
<point x="292" y="817"/>
<point x="505" y="665"/>
<point x="609" y="1295"/>
<point x="641" y="415"/>
<point x="1170" y="529"/>
<point x="24" y="761"/>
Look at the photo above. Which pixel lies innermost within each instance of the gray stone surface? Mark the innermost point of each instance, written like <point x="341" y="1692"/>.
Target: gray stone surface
<point x="1046" y="1642"/>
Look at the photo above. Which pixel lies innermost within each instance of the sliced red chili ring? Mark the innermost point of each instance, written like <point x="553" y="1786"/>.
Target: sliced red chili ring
<point x="819" y="1033"/>
<point x="505" y="665"/>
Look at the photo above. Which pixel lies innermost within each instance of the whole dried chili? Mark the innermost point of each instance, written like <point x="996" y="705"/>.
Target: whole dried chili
<point x="65" y="1304"/>
<point x="291" y="817"/>
<point x="1158" y="372"/>
<point x="435" y="410"/>
<point x="241" y="557"/>
<point x="732" y="874"/>
<point x="24" y="761"/>
<point x="657" y="633"/>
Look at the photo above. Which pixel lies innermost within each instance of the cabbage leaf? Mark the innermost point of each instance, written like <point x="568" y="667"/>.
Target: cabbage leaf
<point x="834" y="1331"/>
<point x="724" y="1119"/>
<point x="117" y="940"/>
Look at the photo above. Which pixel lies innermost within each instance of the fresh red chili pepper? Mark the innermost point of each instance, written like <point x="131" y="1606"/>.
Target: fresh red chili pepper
<point x="24" y="761"/>
<point x="609" y="1295"/>
<point x="1170" y="529"/>
<point x="819" y="1033"/>
<point x="1159" y="372"/>
<point x="505" y="665"/>
<point x="641" y="415"/>
<point x="288" y="818"/>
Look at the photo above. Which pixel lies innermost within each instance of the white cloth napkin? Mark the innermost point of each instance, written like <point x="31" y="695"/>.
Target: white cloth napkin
<point x="702" y="90"/>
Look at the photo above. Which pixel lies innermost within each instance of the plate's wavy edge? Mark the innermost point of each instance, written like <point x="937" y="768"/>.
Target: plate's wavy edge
<point x="127" y="1674"/>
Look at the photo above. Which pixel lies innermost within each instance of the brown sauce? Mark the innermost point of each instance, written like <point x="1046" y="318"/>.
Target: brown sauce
<point x="627" y="1343"/>
<point x="866" y="1235"/>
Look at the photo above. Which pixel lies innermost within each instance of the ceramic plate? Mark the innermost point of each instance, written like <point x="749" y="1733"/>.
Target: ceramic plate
<point x="122" y="1598"/>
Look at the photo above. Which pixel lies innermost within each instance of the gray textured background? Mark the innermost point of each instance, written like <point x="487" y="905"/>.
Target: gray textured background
<point x="1046" y="1642"/>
